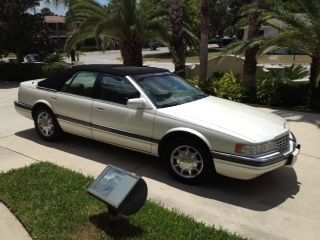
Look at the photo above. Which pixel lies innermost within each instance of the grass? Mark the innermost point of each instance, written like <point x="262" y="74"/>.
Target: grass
<point x="52" y="203"/>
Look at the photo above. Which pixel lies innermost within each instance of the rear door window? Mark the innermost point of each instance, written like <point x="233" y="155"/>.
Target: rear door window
<point x="116" y="89"/>
<point x="82" y="84"/>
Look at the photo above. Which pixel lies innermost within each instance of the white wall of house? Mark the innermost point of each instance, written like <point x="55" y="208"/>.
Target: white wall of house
<point x="268" y="32"/>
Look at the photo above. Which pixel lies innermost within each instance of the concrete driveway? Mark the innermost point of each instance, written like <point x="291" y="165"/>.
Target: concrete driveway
<point x="284" y="204"/>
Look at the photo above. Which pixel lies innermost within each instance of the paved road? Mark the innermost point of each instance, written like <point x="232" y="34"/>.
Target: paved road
<point x="280" y="205"/>
<point x="112" y="56"/>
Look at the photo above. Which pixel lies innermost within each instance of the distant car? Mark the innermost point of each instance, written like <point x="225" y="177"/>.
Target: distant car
<point x="32" y="58"/>
<point x="224" y="41"/>
<point x="156" y="112"/>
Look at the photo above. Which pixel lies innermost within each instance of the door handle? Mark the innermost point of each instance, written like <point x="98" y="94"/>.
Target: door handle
<point x="100" y="109"/>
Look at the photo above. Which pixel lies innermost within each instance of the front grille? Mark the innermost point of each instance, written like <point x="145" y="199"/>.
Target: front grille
<point x="282" y="144"/>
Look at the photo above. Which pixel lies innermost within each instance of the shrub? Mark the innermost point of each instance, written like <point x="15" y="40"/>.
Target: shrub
<point x="295" y="72"/>
<point x="206" y="86"/>
<point x="268" y="89"/>
<point x="27" y="71"/>
<point x="54" y="58"/>
<point x="52" y="68"/>
<point x="20" y="72"/>
<point x="294" y="94"/>
<point x="230" y="87"/>
<point x="277" y="88"/>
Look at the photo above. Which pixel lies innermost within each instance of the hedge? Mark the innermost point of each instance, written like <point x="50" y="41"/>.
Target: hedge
<point x="27" y="71"/>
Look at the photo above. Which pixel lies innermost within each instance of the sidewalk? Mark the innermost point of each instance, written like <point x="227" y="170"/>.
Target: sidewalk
<point x="10" y="226"/>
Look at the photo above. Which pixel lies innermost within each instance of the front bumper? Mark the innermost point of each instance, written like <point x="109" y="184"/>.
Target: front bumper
<point x="246" y="168"/>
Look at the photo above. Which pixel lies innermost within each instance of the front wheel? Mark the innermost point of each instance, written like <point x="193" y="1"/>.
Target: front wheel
<point x="188" y="160"/>
<point x="46" y="125"/>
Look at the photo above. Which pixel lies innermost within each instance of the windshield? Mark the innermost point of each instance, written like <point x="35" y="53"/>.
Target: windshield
<point x="168" y="90"/>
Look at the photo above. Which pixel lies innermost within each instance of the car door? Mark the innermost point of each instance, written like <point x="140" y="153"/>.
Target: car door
<point x="114" y="122"/>
<point x="72" y="104"/>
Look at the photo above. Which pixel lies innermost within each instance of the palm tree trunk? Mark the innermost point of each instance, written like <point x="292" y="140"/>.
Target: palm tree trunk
<point x="204" y="40"/>
<point x="178" y="45"/>
<point x="250" y="63"/>
<point x="315" y="83"/>
<point x="19" y="54"/>
<point x="131" y="52"/>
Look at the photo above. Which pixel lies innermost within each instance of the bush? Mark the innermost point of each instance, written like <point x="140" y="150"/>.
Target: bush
<point x="54" y="58"/>
<point x="27" y="71"/>
<point x="268" y="87"/>
<point x="277" y="88"/>
<point x="20" y="72"/>
<point x="52" y="68"/>
<point x="230" y="87"/>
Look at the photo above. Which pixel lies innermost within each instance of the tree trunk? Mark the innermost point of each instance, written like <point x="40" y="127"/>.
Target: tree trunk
<point x="315" y="83"/>
<point x="204" y="40"/>
<point x="178" y="45"/>
<point x="250" y="63"/>
<point x="131" y="52"/>
<point x="73" y="55"/>
<point x="20" y="57"/>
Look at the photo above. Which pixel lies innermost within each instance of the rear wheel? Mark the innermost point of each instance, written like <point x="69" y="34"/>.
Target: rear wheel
<point x="188" y="160"/>
<point x="46" y="124"/>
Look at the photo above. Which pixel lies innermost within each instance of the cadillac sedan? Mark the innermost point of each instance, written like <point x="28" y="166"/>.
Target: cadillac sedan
<point x="153" y="111"/>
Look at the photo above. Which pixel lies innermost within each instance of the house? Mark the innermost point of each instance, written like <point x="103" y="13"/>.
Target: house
<point x="266" y="31"/>
<point x="58" y="29"/>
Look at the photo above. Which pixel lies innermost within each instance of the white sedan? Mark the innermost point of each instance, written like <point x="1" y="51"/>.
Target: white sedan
<point x="154" y="111"/>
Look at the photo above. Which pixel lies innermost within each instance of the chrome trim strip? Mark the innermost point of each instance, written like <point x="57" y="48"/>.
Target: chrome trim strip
<point x="107" y="129"/>
<point x="22" y="105"/>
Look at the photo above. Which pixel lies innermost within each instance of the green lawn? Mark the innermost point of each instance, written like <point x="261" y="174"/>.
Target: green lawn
<point x="52" y="203"/>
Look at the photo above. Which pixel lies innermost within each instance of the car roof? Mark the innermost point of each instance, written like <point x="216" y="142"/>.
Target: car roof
<point x="119" y="69"/>
<point x="56" y="82"/>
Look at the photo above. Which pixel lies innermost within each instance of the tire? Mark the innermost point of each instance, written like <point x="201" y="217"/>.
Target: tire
<point x="188" y="160"/>
<point x="47" y="125"/>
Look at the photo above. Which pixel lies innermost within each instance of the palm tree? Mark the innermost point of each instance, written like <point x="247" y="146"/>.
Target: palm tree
<point x="300" y="31"/>
<point x="178" y="46"/>
<point x="123" y="21"/>
<point x="204" y="40"/>
<point x="250" y="62"/>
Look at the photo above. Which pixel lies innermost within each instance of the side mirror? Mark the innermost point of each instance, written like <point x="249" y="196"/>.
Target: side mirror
<point x="136" y="103"/>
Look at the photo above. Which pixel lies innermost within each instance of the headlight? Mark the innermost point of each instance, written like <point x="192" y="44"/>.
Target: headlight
<point x="258" y="149"/>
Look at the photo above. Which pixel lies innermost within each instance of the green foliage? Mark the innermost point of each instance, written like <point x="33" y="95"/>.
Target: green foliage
<point x="20" y="72"/>
<point x="54" y="58"/>
<point x="268" y="89"/>
<point x="52" y="203"/>
<point x="52" y="68"/>
<point x="21" y="32"/>
<point x="277" y="88"/>
<point x="295" y="72"/>
<point x="230" y="87"/>
<point x="27" y="71"/>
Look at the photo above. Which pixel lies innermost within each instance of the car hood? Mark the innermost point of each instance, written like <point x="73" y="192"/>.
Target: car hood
<point x="231" y="117"/>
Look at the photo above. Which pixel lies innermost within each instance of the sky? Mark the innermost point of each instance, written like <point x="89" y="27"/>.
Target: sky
<point x="61" y="10"/>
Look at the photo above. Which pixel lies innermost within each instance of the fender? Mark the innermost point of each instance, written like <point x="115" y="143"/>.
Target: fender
<point x="41" y="101"/>
<point x="191" y="131"/>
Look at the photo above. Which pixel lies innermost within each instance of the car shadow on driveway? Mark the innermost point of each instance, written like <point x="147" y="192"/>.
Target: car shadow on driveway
<point x="261" y="194"/>
<point x="293" y="116"/>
